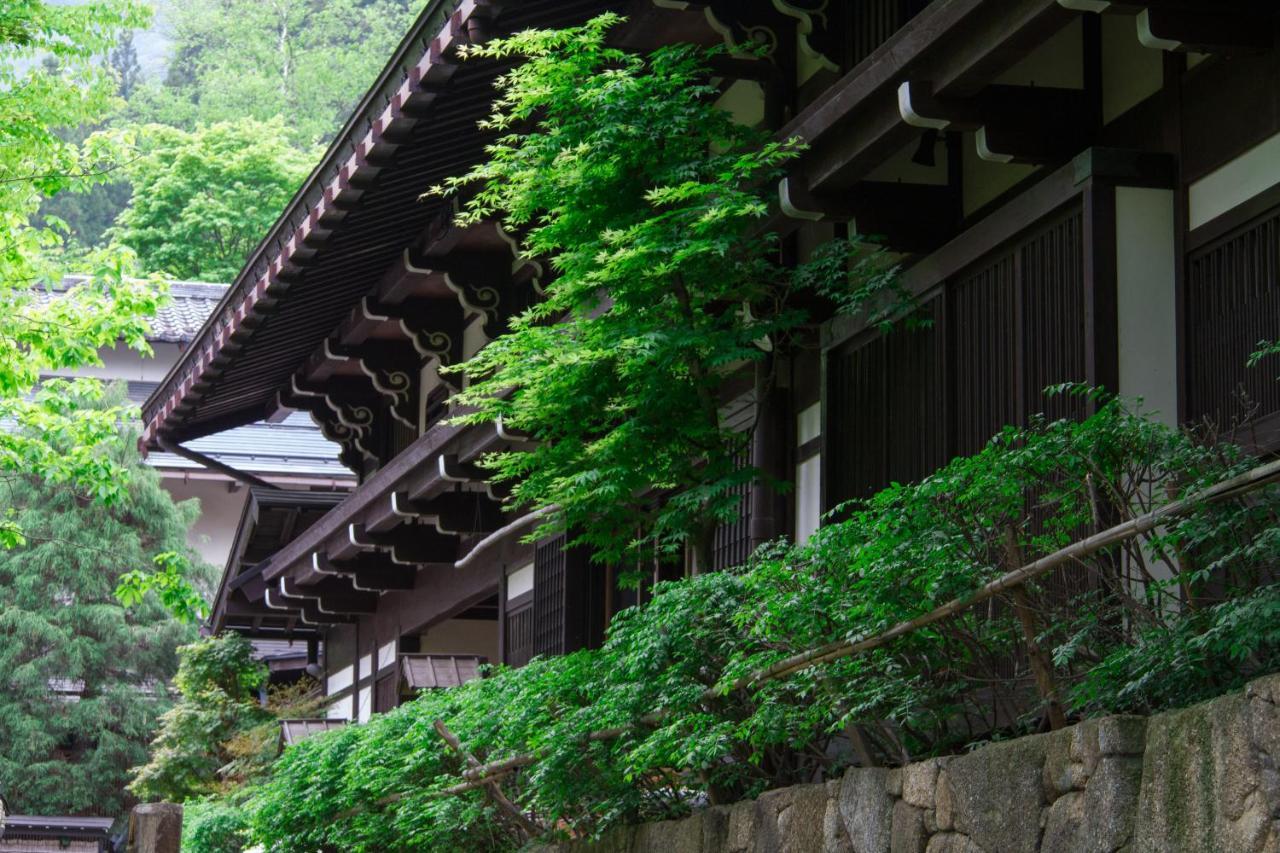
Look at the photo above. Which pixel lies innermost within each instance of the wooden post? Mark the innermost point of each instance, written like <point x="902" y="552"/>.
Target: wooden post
<point x="1041" y="665"/>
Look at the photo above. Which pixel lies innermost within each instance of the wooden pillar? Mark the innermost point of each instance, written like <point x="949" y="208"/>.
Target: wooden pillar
<point x="1101" y="324"/>
<point x="769" y="453"/>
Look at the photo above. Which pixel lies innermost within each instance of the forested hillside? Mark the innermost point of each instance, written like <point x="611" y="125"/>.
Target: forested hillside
<point x="276" y="78"/>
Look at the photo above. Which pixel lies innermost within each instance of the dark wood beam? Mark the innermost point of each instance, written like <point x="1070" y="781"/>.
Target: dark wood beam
<point x="1209" y="30"/>
<point x="372" y="572"/>
<point x="332" y="596"/>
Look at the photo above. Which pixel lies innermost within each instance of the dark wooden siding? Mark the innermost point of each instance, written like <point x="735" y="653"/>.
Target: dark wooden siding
<point x="565" y="611"/>
<point x="549" y="582"/>
<point x="900" y="404"/>
<point x="1232" y="302"/>
<point x="519" y="632"/>
<point x="869" y="24"/>
<point x="733" y="538"/>
<point x="386" y="692"/>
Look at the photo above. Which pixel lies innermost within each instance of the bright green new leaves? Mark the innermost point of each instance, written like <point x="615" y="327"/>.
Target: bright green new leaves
<point x="647" y="200"/>
<point x="52" y="83"/>
<point x="83" y="677"/>
<point x="202" y="200"/>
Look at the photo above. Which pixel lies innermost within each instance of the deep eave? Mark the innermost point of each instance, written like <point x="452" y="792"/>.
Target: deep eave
<point x="353" y="218"/>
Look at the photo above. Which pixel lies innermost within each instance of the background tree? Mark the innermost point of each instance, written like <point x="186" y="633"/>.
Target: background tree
<point x="647" y="199"/>
<point x="307" y="62"/>
<point x="219" y="735"/>
<point x="82" y="678"/>
<point x="203" y="199"/>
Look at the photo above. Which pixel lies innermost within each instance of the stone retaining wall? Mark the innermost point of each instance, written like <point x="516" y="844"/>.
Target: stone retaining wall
<point x="1201" y="779"/>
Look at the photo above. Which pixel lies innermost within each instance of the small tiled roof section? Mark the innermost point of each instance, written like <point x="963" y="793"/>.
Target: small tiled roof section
<point x="294" y="731"/>
<point x="425" y="672"/>
<point x="190" y="304"/>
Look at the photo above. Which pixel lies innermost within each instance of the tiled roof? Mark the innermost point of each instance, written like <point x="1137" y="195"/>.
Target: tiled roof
<point x="292" y="447"/>
<point x="190" y="304"/>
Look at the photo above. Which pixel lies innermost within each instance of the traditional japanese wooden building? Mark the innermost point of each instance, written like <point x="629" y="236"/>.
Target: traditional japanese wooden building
<point x="1080" y="190"/>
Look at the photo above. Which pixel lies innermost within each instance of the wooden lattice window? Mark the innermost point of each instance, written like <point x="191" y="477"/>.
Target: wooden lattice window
<point x="871" y="23"/>
<point x="519" y="633"/>
<point x="901" y="404"/>
<point x="549" y="564"/>
<point x="1232" y="301"/>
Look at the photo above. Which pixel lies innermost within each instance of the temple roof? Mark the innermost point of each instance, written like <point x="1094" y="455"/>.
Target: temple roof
<point x="179" y="321"/>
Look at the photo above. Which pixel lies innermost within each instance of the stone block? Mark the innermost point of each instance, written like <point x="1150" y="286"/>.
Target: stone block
<point x="715" y="829"/>
<point x="952" y="842"/>
<point x="944" y="803"/>
<point x="1064" y="829"/>
<point x="919" y="781"/>
<point x="1085" y="747"/>
<point x="155" y="828"/>
<point x="893" y="782"/>
<point x="996" y="794"/>
<point x="800" y="826"/>
<point x="866" y="808"/>
<point x="1058" y="777"/>
<point x="741" y="830"/>
<point x="669" y="836"/>
<point x="1111" y="802"/>
<point x="1122" y="735"/>
<point x="1209" y="778"/>
<point x="835" y="839"/>
<point x="908" y="834"/>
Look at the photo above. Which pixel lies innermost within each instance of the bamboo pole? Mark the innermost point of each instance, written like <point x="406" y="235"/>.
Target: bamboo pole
<point x="530" y="828"/>
<point x="481" y="775"/>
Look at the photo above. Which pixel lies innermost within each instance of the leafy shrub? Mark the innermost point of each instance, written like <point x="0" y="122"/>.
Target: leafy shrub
<point x="214" y="826"/>
<point x="1180" y="613"/>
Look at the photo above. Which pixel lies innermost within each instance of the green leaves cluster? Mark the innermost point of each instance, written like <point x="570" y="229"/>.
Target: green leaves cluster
<point x="82" y="678"/>
<point x="221" y="733"/>
<point x="202" y="200"/>
<point x="1175" y="616"/>
<point x="648" y="201"/>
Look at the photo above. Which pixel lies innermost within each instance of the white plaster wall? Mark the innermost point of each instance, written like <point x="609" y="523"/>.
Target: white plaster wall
<point x="220" y="510"/>
<point x="1234" y="183"/>
<point x="1131" y="73"/>
<point x="744" y="100"/>
<point x="120" y="362"/>
<point x="1146" y="299"/>
<point x="463" y="637"/>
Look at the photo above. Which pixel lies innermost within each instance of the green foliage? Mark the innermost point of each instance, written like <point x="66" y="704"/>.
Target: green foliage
<point x="645" y="197"/>
<point x="309" y="62"/>
<point x="1123" y="636"/>
<point x="217" y="682"/>
<point x="214" y="826"/>
<point x="1265" y="351"/>
<point x="51" y="83"/>
<point x="203" y="199"/>
<point x="219" y="735"/>
<point x="83" y="677"/>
